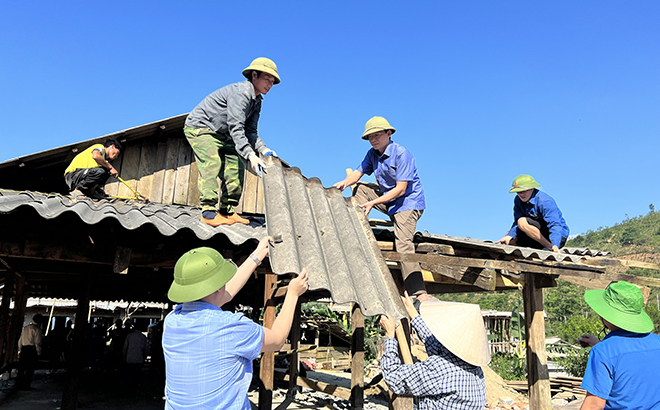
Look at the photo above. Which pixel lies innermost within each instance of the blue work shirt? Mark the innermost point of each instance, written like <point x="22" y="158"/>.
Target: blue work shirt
<point x="623" y="370"/>
<point x="208" y="357"/>
<point x="395" y="165"/>
<point x="543" y="208"/>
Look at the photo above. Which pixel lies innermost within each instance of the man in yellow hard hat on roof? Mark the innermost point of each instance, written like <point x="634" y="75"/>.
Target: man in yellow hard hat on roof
<point x="399" y="194"/>
<point x="222" y="131"/>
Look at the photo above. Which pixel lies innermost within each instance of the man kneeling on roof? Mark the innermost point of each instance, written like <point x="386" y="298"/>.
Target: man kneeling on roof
<point x="456" y="344"/>
<point x="89" y="170"/>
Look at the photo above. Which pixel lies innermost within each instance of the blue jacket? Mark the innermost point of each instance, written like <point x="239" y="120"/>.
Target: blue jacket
<point x="543" y="208"/>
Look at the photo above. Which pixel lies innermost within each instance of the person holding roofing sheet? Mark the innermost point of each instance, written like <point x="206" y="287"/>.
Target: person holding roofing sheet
<point x="456" y="344"/>
<point x="209" y="351"/>
<point x="222" y="131"/>
<point x="622" y="371"/>
<point x="537" y="221"/>
<point x="399" y="194"/>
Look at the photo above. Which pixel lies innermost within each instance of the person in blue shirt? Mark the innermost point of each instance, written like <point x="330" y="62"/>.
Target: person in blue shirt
<point x="622" y="370"/>
<point x="209" y="351"/>
<point x="537" y="221"/>
<point x="399" y="194"/>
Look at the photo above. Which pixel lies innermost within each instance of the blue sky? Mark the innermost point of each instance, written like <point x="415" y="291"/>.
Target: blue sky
<point x="479" y="91"/>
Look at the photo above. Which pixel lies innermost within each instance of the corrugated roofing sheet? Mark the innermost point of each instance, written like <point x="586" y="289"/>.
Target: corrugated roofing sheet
<point x="167" y="219"/>
<point x="329" y="235"/>
<point x="566" y="254"/>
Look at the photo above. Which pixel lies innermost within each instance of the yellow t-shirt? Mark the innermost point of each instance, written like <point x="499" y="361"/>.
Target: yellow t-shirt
<point x="85" y="159"/>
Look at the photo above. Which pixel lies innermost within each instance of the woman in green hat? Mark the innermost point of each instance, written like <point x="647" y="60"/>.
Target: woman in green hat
<point x="622" y="371"/>
<point x="537" y="221"/>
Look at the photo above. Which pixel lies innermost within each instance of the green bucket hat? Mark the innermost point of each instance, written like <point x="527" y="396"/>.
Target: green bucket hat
<point x="523" y="183"/>
<point x="622" y="305"/>
<point x="198" y="273"/>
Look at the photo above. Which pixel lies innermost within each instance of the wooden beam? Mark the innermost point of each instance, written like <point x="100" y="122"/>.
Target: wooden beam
<point x="601" y="261"/>
<point x="434" y="248"/>
<point x="266" y="372"/>
<point x="402" y="333"/>
<point x="7" y="293"/>
<point x="537" y="362"/>
<point x="546" y="267"/>
<point x="294" y="337"/>
<point x="17" y="317"/>
<point x="357" y="357"/>
<point x="75" y="366"/>
<point x="122" y="260"/>
<point x="340" y="392"/>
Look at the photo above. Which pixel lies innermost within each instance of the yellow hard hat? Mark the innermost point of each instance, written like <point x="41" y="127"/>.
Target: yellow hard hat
<point x="376" y="124"/>
<point x="262" y="64"/>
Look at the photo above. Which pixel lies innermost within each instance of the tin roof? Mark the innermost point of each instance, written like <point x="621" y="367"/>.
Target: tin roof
<point x="321" y="230"/>
<point x="131" y="214"/>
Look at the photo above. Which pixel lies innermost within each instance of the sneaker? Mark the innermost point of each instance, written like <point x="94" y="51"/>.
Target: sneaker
<point x="218" y="220"/>
<point x="237" y="219"/>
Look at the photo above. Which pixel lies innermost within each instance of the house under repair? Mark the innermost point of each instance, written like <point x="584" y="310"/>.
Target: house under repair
<point x="56" y="246"/>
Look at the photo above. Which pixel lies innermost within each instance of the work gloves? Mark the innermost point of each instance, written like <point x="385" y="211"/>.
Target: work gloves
<point x="255" y="164"/>
<point x="265" y="151"/>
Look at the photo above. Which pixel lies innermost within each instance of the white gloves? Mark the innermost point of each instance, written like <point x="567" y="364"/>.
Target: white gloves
<point x="265" y="151"/>
<point x="255" y="164"/>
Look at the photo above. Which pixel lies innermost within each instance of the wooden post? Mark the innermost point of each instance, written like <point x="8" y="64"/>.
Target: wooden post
<point x="4" y="310"/>
<point x="357" y="358"/>
<point x="538" y="379"/>
<point x="294" y="337"/>
<point x="77" y="355"/>
<point x="267" y="370"/>
<point x="403" y="337"/>
<point x="17" y="318"/>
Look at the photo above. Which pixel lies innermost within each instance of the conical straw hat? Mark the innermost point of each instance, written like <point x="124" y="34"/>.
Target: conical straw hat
<point x="460" y="328"/>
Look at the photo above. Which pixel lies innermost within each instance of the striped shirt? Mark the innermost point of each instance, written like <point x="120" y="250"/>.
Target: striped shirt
<point x="208" y="357"/>
<point x="443" y="381"/>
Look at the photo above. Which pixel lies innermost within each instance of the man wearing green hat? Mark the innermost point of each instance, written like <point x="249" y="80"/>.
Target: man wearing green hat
<point x="622" y="371"/>
<point x="222" y="131"/>
<point x="399" y="193"/>
<point x="537" y="220"/>
<point x="209" y="351"/>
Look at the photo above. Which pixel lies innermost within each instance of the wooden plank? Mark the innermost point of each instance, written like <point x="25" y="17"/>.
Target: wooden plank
<point x="386" y="246"/>
<point x="250" y="193"/>
<point x="147" y="168"/>
<point x="402" y="333"/>
<point x="261" y="204"/>
<point x="267" y="370"/>
<point x="193" y="188"/>
<point x="537" y="360"/>
<point x="357" y="357"/>
<point x="183" y="161"/>
<point x="470" y="276"/>
<point x="159" y="173"/>
<point x="129" y="170"/>
<point x="435" y="248"/>
<point x="170" y="168"/>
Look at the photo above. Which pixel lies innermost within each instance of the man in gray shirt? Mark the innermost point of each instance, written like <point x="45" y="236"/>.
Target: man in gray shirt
<point x="222" y="131"/>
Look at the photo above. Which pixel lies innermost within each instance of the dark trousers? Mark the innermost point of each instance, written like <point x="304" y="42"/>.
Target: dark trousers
<point x="523" y="240"/>
<point x="86" y="179"/>
<point x="27" y="363"/>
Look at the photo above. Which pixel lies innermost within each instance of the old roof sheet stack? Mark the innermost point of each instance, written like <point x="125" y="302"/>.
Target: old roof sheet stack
<point x="321" y="230"/>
